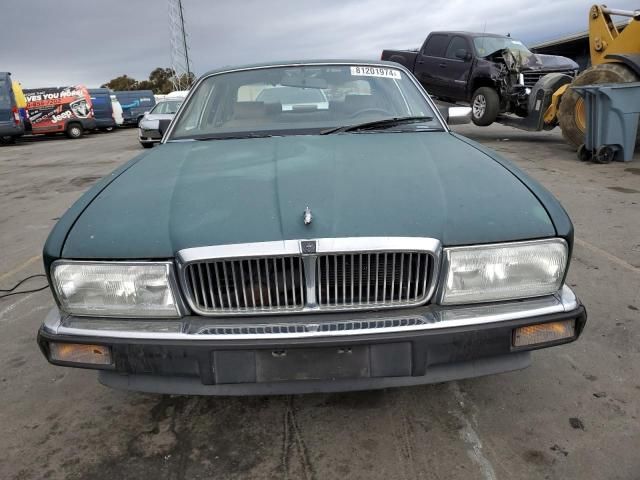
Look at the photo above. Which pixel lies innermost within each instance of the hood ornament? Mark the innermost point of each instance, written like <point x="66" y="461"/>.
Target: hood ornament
<point x="307" y="216"/>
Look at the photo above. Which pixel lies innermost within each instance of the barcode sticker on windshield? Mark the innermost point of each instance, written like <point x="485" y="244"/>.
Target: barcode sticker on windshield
<point x="364" y="71"/>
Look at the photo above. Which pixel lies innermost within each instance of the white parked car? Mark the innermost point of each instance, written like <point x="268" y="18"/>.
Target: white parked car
<point x="149" y="127"/>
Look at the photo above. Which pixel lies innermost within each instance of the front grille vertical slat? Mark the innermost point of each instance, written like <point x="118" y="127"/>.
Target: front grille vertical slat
<point x="368" y="278"/>
<point x="292" y="273"/>
<point x="266" y="273"/>
<point x="215" y="271"/>
<point x="375" y="291"/>
<point x="344" y="278"/>
<point x="244" y="285"/>
<point x="327" y="275"/>
<point x="393" y="272"/>
<point x="353" y="260"/>
<point x="401" y="276"/>
<point x="343" y="281"/>
<point x="276" y="282"/>
<point x="335" y="279"/>
<point x="319" y="281"/>
<point x="194" y="284"/>
<point x="259" y="269"/>
<point x="384" y="281"/>
<point x="302" y="284"/>
<point x="409" y="274"/>
<point x="226" y="282"/>
<point x="284" y="282"/>
<point x="425" y="275"/>
<point x="417" y="282"/>
<point x="205" y="298"/>
<point x="253" y="294"/>
<point x="207" y="267"/>
<point x="360" y="279"/>
<point x="234" y="284"/>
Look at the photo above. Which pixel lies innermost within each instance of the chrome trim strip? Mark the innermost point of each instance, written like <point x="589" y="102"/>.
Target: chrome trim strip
<point x="433" y="317"/>
<point x="310" y="265"/>
<point x="568" y="298"/>
<point x="397" y="66"/>
<point x="324" y="246"/>
<point x="239" y="250"/>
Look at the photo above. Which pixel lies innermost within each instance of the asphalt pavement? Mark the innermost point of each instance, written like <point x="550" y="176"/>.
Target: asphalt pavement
<point x="574" y="414"/>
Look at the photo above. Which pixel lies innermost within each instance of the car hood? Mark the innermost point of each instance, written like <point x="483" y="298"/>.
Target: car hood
<point x="535" y="61"/>
<point x="154" y="117"/>
<point x="198" y="193"/>
<point x="538" y="61"/>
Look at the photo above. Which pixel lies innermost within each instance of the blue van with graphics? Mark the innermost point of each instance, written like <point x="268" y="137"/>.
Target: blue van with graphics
<point x="11" y="123"/>
<point x="102" y="108"/>
<point x="134" y="104"/>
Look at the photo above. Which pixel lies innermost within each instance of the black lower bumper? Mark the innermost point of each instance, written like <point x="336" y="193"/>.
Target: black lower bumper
<point x="304" y="365"/>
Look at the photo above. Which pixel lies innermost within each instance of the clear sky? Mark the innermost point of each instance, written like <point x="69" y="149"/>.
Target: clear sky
<point x="59" y="42"/>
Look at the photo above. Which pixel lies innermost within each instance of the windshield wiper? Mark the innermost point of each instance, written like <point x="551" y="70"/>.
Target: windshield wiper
<point x="233" y="136"/>
<point x="377" y="124"/>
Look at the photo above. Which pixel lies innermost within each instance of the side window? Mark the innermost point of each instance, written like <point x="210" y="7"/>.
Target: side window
<point x="457" y="43"/>
<point x="435" y="46"/>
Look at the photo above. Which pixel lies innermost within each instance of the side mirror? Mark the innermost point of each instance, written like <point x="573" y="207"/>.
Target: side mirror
<point x="146" y="113"/>
<point x="458" y="115"/>
<point x="462" y="54"/>
<point x="163" y="125"/>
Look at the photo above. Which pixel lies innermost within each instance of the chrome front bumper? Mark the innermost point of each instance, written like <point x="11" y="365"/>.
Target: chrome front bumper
<point x="326" y="325"/>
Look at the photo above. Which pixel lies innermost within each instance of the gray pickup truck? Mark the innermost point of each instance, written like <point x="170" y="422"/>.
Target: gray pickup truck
<point x="493" y="73"/>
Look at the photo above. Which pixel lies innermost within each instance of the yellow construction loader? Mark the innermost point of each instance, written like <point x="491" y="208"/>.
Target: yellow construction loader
<point x="615" y="58"/>
<point x="551" y="102"/>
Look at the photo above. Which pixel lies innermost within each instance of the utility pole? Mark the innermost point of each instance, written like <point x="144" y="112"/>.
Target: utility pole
<point x="180" y="63"/>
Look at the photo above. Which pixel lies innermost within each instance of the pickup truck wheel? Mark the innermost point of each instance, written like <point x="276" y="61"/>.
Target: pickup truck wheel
<point x="74" y="130"/>
<point x="485" y="105"/>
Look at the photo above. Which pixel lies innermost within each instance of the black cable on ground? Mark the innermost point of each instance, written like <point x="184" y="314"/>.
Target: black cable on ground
<point x="11" y="290"/>
<point x="24" y="291"/>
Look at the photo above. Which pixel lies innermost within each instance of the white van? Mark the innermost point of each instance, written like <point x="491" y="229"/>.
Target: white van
<point x="117" y="110"/>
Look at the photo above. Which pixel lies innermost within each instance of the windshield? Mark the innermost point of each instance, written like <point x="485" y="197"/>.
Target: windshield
<point x="299" y="100"/>
<point x="167" y="107"/>
<point x="487" y="45"/>
<point x="5" y="98"/>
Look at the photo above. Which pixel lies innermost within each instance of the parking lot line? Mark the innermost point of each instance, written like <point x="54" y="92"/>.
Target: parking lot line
<point x="20" y="267"/>
<point x="613" y="258"/>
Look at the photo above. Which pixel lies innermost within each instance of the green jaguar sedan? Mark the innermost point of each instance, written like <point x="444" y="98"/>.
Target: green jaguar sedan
<point x="274" y="246"/>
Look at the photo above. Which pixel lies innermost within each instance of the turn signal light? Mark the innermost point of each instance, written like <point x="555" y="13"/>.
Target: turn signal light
<point x="79" y="353"/>
<point x="543" y="333"/>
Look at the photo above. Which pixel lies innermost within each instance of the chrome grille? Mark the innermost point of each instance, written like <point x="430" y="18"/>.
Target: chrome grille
<point x="303" y="276"/>
<point x="532" y="77"/>
<point x="371" y="279"/>
<point x="247" y="285"/>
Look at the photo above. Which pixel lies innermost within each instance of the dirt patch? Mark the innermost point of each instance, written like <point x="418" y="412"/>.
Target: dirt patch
<point x="84" y="181"/>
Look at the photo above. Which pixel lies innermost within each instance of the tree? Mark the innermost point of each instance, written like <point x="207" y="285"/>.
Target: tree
<point x="146" y="85"/>
<point x="186" y="80"/>
<point x="123" y="82"/>
<point x="161" y="81"/>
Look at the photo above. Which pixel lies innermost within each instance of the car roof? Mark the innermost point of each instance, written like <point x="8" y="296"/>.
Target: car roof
<point x="302" y="63"/>
<point x="471" y="34"/>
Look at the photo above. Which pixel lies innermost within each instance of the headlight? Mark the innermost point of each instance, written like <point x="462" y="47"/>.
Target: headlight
<point x="504" y="271"/>
<point x="115" y="289"/>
